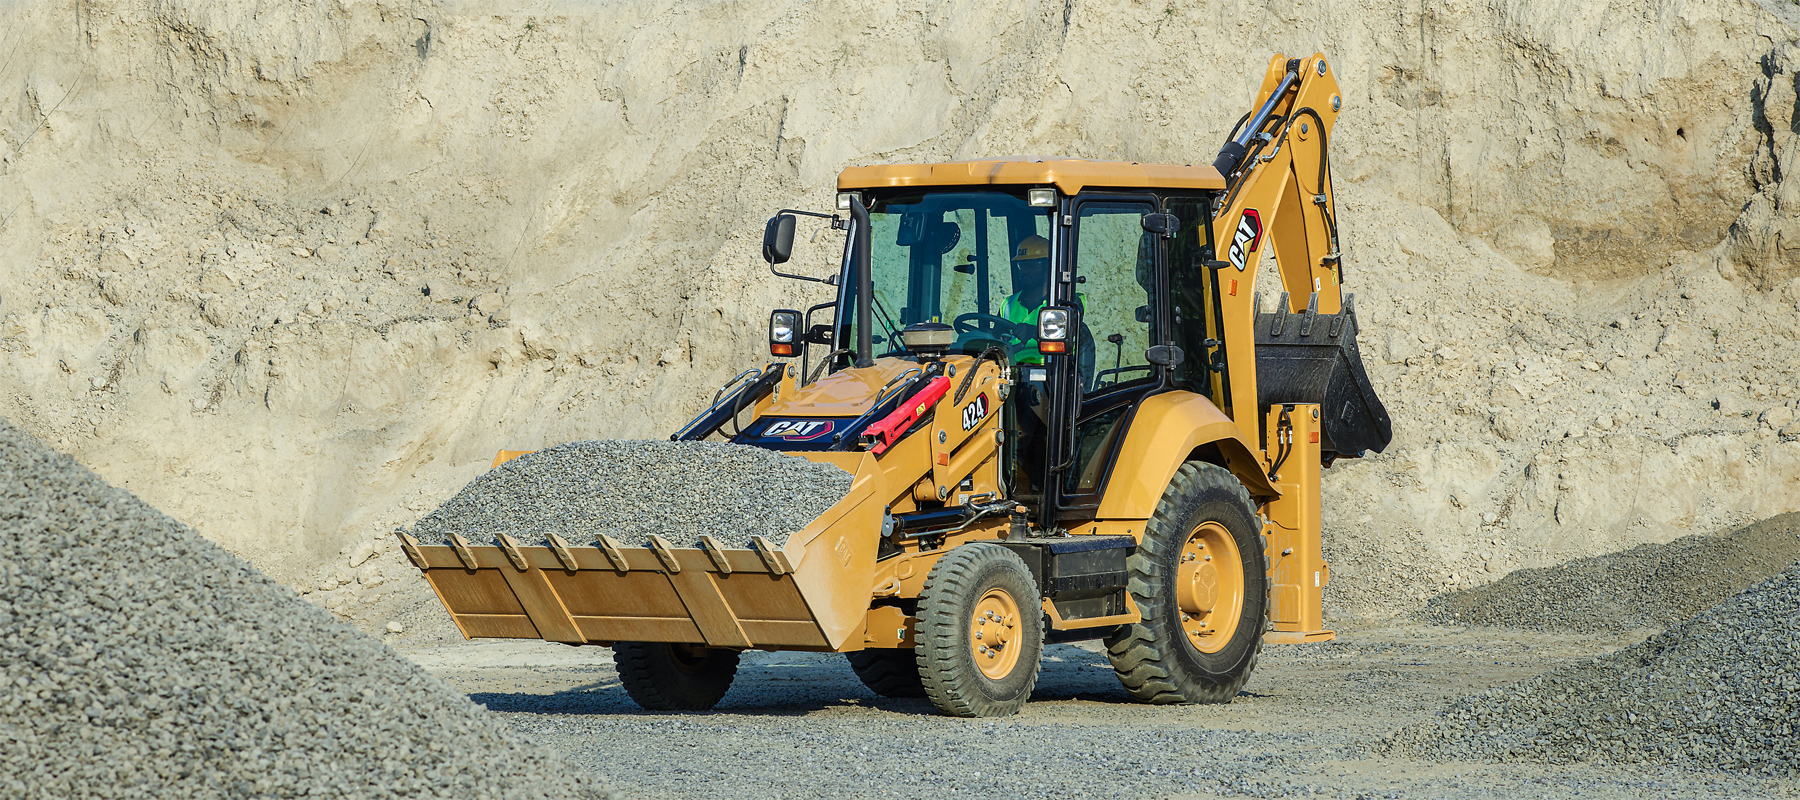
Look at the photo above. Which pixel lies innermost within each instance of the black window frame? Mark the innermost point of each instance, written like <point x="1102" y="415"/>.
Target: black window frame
<point x="1069" y="407"/>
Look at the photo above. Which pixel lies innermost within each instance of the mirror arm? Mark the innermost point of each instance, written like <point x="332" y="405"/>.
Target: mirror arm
<point x="831" y="280"/>
<point x="805" y="213"/>
<point x="837" y="223"/>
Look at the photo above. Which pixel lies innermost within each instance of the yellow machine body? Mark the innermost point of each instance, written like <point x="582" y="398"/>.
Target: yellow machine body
<point x="825" y="588"/>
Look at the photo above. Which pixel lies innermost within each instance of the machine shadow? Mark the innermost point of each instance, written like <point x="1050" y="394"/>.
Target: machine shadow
<point x="796" y="684"/>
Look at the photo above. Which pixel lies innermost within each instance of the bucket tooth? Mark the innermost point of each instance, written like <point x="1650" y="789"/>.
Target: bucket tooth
<point x="464" y="553"/>
<point x="716" y="553"/>
<point x="1281" y="315"/>
<point x="410" y="547"/>
<point x="610" y="548"/>
<point x="770" y="556"/>
<point x="1312" y="314"/>
<point x="1337" y="320"/>
<point x="513" y="553"/>
<point x="564" y="553"/>
<point x="665" y="553"/>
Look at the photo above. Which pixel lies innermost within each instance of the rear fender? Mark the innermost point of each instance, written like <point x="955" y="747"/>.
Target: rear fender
<point x="1169" y="429"/>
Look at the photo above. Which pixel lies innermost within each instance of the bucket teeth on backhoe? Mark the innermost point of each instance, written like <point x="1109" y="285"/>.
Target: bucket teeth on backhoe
<point x="1278" y="318"/>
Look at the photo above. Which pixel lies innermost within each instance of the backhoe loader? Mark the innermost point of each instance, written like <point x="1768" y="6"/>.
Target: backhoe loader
<point x="1067" y="415"/>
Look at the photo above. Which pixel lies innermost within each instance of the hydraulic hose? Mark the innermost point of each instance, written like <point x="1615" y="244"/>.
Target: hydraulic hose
<point x="865" y="281"/>
<point x="1232" y="154"/>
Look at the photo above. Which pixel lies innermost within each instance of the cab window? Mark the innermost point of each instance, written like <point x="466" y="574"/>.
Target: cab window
<point x="1115" y="260"/>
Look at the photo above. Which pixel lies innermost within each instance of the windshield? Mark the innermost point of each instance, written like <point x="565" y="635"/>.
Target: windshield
<point x="977" y="260"/>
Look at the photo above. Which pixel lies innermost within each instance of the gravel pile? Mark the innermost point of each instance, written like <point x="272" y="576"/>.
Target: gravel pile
<point x="1650" y="586"/>
<point x="1719" y="691"/>
<point x="140" y="660"/>
<point x="629" y="489"/>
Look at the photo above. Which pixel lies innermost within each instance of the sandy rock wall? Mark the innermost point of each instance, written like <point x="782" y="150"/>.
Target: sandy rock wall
<point x="294" y="272"/>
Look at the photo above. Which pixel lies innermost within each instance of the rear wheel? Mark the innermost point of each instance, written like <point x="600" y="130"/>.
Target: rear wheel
<point x="674" y="677"/>
<point x="888" y="672"/>
<point x="1200" y="579"/>
<point x="980" y="632"/>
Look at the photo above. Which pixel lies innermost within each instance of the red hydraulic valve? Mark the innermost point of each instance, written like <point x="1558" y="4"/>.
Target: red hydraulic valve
<point x="889" y="430"/>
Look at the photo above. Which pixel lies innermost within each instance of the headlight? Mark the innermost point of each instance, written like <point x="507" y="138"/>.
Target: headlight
<point x="1042" y="198"/>
<point x="784" y="332"/>
<point x="1053" y="330"/>
<point x="843" y="200"/>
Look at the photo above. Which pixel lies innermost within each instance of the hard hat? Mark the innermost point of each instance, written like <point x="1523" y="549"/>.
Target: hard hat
<point x="1032" y="248"/>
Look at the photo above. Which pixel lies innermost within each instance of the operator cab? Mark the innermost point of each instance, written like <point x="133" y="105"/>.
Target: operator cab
<point x="1095" y="299"/>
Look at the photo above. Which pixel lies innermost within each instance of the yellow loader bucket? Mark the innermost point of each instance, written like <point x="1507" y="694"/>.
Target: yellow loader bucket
<point x="811" y="593"/>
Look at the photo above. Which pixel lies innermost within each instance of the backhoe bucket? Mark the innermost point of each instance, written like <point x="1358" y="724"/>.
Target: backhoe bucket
<point x="1312" y="358"/>
<point x="811" y="593"/>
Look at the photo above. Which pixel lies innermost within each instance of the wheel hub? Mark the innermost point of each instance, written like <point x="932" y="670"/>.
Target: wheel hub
<point x="992" y="630"/>
<point x="1209" y="587"/>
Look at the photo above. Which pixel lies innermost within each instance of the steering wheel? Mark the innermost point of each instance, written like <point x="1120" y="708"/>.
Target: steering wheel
<point x="987" y="324"/>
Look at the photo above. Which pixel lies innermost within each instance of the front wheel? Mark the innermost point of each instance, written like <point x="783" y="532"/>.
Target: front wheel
<point x="980" y="632"/>
<point x="889" y="673"/>
<point x="674" y="677"/>
<point x="1201" y="580"/>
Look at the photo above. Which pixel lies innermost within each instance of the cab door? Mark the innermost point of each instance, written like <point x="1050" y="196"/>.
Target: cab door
<point x="1111" y="275"/>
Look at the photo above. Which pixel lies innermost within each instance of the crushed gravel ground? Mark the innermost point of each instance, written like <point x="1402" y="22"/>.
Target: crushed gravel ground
<point x="629" y="489"/>
<point x="138" y="659"/>
<point x="1719" y="691"/>
<point x="1651" y="586"/>
<point x="800" y="725"/>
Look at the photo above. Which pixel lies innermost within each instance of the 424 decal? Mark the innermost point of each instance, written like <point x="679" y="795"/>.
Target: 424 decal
<point x="975" y="412"/>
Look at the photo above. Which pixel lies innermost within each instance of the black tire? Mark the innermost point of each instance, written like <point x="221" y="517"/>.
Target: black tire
<point x="674" y="677"/>
<point x="1155" y="659"/>
<point x="969" y="577"/>
<point x="888" y="672"/>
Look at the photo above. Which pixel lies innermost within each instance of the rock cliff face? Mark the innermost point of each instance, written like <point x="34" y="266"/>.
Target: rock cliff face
<point x="294" y="272"/>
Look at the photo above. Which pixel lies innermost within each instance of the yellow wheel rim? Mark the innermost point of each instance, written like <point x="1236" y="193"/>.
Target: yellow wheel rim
<point x="1209" y="587"/>
<point x="994" y="634"/>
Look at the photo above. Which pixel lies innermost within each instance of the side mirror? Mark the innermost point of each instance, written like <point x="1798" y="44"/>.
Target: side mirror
<point x="1161" y="224"/>
<point x="1165" y="355"/>
<point x="778" y="239"/>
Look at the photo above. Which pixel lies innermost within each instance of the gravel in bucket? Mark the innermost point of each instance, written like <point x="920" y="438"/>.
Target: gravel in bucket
<point x="629" y="489"/>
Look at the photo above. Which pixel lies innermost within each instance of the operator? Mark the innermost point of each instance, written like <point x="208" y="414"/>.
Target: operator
<point x="1031" y="275"/>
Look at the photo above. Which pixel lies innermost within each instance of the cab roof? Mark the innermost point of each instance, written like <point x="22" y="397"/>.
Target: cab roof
<point x="1070" y="175"/>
